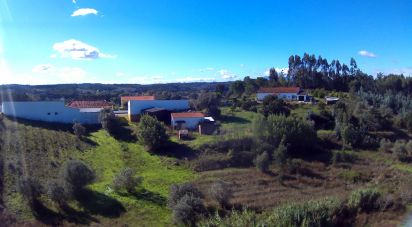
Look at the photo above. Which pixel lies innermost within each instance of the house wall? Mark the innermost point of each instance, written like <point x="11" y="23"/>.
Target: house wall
<point x="285" y="96"/>
<point x="191" y="122"/>
<point x="49" y="112"/>
<point x="137" y="106"/>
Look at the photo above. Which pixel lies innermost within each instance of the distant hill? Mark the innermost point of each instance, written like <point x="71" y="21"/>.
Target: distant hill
<point x="110" y="92"/>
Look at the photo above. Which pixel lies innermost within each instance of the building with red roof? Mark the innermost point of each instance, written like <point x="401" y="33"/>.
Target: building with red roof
<point x="186" y="120"/>
<point x="285" y="93"/>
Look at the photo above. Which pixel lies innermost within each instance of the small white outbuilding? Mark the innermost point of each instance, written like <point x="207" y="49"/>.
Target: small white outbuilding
<point x="187" y="120"/>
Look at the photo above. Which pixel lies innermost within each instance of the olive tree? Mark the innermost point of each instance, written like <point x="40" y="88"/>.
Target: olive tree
<point x="76" y="175"/>
<point x="221" y="192"/>
<point x="126" y="180"/>
<point x="151" y="133"/>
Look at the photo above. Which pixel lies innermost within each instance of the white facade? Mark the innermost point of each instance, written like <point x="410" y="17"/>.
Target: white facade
<point x="137" y="106"/>
<point x="187" y="122"/>
<point x="50" y="112"/>
<point x="284" y="96"/>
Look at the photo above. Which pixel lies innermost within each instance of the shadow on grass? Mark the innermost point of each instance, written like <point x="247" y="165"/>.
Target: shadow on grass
<point x="46" y="215"/>
<point x="234" y="119"/>
<point x="77" y="217"/>
<point x="98" y="203"/>
<point x="124" y="134"/>
<point x="144" y="194"/>
<point x="176" y="150"/>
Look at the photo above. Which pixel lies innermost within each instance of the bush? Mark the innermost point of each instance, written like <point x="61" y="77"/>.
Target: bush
<point x="385" y="145"/>
<point x="77" y="175"/>
<point x="311" y="213"/>
<point x="400" y="151"/>
<point x="177" y="192"/>
<point x="343" y="156"/>
<point x="262" y="162"/>
<point x="299" y="135"/>
<point x="363" y="199"/>
<point x="108" y="120"/>
<point x="273" y="105"/>
<point x="57" y="193"/>
<point x="188" y="210"/>
<point x="126" y="180"/>
<point x="151" y="133"/>
<point x="221" y="192"/>
<point x="79" y="130"/>
<point x="29" y="188"/>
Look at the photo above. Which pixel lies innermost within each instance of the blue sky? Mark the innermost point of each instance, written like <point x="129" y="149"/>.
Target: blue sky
<point x="153" y="41"/>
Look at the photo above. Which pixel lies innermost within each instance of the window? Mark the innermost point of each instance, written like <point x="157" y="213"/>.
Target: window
<point x="55" y="113"/>
<point x="48" y="113"/>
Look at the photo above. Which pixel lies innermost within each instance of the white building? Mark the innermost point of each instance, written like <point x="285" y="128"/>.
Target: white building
<point x="187" y="120"/>
<point x="54" y="111"/>
<point x="136" y="107"/>
<point x="285" y="93"/>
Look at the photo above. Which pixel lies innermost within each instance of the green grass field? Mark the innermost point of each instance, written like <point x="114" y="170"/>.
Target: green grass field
<point x="146" y="207"/>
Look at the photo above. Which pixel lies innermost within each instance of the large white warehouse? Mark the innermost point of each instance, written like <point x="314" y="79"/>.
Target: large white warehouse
<point x="54" y="111"/>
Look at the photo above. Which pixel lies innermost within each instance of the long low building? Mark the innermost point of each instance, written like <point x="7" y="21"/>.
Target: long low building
<point x="51" y="111"/>
<point x="137" y="107"/>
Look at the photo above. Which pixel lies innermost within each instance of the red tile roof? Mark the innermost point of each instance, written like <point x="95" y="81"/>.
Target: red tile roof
<point x="143" y="97"/>
<point x="277" y="90"/>
<point x="90" y="104"/>
<point x="188" y="115"/>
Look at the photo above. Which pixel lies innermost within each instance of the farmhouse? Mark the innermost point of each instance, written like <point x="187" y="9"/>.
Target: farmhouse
<point x="137" y="107"/>
<point x="51" y="111"/>
<point x="285" y="93"/>
<point x="187" y="120"/>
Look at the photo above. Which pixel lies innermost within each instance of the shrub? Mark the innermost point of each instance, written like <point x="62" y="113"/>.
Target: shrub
<point x="126" y="180"/>
<point x="151" y="133"/>
<point x="221" y="192"/>
<point x="311" y="213"/>
<point x="76" y="175"/>
<point x="363" y="199"/>
<point x="236" y="218"/>
<point x="343" y="156"/>
<point x="108" y="120"/>
<point x="179" y="191"/>
<point x="188" y="210"/>
<point x="400" y="151"/>
<point x="57" y="193"/>
<point x="299" y="135"/>
<point x="273" y="105"/>
<point x="352" y="136"/>
<point x="79" y="130"/>
<point x="385" y="145"/>
<point x="29" y="188"/>
<point x="262" y="162"/>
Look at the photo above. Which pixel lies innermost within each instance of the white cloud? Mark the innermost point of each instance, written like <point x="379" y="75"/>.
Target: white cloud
<point x="242" y="65"/>
<point x="42" y="68"/>
<point x="227" y="75"/>
<point x="74" y="1"/>
<point x="407" y="71"/>
<point x="190" y="79"/>
<point x="208" y="69"/>
<point x="78" y="50"/>
<point x="84" y="12"/>
<point x="120" y="74"/>
<point x="365" y="53"/>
